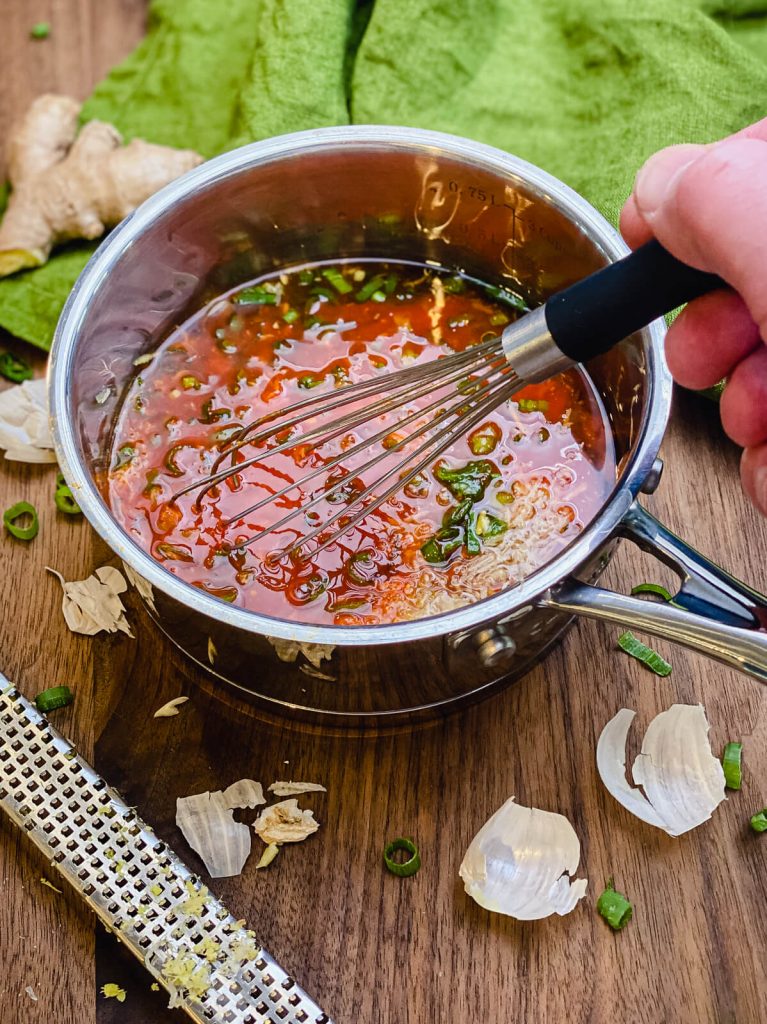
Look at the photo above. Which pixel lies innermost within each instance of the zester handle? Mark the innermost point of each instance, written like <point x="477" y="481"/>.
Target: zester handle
<point x="135" y="883"/>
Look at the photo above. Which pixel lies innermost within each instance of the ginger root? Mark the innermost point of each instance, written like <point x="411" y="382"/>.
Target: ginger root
<point x="67" y="185"/>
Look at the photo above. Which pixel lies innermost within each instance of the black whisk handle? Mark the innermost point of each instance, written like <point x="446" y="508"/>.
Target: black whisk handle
<point x="591" y="316"/>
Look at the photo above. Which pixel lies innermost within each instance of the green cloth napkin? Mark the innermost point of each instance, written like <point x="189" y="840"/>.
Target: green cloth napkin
<point x="587" y="89"/>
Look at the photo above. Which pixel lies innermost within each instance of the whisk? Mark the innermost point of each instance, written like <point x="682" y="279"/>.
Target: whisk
<point x="574" y="325"/>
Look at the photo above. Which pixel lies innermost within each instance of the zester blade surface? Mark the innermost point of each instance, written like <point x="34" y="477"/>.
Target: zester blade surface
<point x="135" y="883"/>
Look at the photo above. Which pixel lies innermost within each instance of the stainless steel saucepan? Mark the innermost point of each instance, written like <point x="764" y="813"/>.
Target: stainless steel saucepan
<point x="396" y="193"/>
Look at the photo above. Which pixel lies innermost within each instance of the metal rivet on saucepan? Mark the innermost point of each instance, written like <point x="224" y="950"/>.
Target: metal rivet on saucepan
<point x="494" y="647"/>
<point x="652" y="479"/>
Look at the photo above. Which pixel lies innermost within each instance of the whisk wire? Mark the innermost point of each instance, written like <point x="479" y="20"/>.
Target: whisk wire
<point x="432" y="447"/>
<point x="353" y="419"/>
<point x="477" y="386"/>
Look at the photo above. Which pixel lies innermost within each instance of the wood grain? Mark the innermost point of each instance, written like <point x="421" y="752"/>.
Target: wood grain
<point x="372" y="948"/>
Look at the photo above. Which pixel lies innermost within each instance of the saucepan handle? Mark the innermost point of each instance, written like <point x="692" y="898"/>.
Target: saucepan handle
<point x="712" y="612"/>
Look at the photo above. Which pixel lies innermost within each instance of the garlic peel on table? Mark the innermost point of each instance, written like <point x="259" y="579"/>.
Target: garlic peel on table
<point x="683" y="782"/>
<point x="521" y="863"/>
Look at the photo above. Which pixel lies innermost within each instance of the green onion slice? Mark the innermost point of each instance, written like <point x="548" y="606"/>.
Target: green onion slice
<point x="614" y="908"/>
<point x="731" y="765"/>
<point x="65" y="501"/>
<point x="56" y="697"/>
<point x="41" y="30"/>
<point x="407" y="867"/>
<point x="16" y="512"/>
<point x="651" y="588"/>
<point x="14" y="367"/>
<point x="506" y="296"/>
<point x="759" y="821"/>
<point x="264" y="296"/>
<point x="629" y="643"/>
<point x="334" y="276"/>
<point x="533" y="405"/>
<point x="373" y="285"/>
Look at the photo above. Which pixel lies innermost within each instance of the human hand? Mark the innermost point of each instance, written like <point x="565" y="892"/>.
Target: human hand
<point x="708" y="206"/>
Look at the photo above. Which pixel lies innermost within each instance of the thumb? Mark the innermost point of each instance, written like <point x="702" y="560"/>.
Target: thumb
<point x="711" y="212"/>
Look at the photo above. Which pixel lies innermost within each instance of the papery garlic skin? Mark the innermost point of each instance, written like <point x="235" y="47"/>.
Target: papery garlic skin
<point x="521" y="861"/>
<point x="682" y="779"/>
<point x="209" y="827"/>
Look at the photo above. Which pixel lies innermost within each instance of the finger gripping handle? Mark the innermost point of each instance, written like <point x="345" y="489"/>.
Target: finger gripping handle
<point x="591" y="316"/>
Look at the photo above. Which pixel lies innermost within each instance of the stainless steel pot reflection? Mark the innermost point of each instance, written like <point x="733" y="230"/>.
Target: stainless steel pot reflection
<point x="396" y="193"/>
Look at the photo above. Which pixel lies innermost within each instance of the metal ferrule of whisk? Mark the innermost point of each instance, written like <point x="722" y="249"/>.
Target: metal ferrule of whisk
<point x="531" y="350"/>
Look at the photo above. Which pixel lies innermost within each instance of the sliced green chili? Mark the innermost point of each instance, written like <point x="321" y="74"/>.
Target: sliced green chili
<point x="533" y="405"/>
<point x="306" y="276"/>
<point x="291" y="316"/>
<point x="264" y="296"/>
<point x="190" y="383"/>
<point x="56" y="697"/>
<point x="17" y="511"/>
<point x="40" y="31"/>
<point x="759" y="821"/>
<point x="378" y="296"/>
<point x="334" y="276"/>
<point x="309" y="381"/>
<point x="629" y="643"/>
<point x="651" y="588"/>
<point x="14" y="367"/>
<point x="373" y="285"/>
<point x="731" y="763"/>
<point x="404" y="868"/>
<point x="498" y="318"/>
<point x="320" y="291"/>
<point x="614" y="908"/>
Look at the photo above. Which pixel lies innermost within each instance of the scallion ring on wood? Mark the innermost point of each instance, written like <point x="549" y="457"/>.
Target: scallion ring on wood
<point x="65" y="501"/>
<point x="56" y="697"/>
<point x="651" y="588"/>
<point x="629" y="643"/>
<point x="731" y="765"/>
<point x="402" y="868"/>
<point x="759" y="821"/>
<point x="14" y="368"/>
<point x="614" y="907"/>
<point x="14" y="513"/>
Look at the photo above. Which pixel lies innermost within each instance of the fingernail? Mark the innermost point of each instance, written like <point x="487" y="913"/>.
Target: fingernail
<point x="760" y="488"/>
<point x="657" y="179"/>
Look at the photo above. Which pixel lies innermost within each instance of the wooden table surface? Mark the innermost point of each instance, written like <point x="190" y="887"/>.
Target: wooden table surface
<point x="368" y="946"/>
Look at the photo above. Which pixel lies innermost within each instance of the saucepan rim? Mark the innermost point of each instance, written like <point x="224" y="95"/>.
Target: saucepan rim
<point x="105" y="261"/>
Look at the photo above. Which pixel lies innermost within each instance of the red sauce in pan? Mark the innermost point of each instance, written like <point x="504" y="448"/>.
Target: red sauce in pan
<point x="490" y="510"/>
